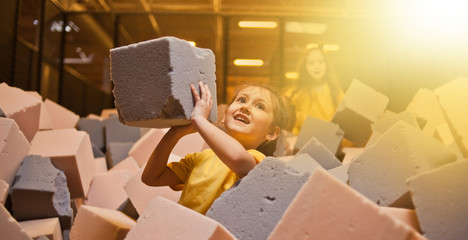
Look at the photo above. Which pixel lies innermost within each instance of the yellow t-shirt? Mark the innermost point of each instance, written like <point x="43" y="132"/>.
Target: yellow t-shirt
<point x="205" y="177"/>
<point x="319" y="105"/>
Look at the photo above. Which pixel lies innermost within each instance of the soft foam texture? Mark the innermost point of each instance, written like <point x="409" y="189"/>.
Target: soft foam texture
<point x="152" y="81"/>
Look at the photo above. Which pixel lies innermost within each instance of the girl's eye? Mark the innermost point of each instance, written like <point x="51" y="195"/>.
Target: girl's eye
<point x="261" y="106"/>
<point x="241" y="100"/>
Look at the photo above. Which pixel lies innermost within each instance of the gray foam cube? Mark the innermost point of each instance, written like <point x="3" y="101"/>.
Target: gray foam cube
<point x="115" y="131"/>
<point x="328" y="133"/>
<point x="95" y="129"/>
<point x="117" y="152"/>
<point x="152" y="81"/>
<point x="320" y="154"/>
<point x="360" y="107"/>
<point x="40" y="191"/>
<point x="253" y="207"/>
<point x="380" y="171"/>
<point x="440" y="198"/>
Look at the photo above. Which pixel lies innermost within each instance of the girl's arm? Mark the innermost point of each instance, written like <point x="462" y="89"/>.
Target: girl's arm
<point x="156" y="172"/>
<point x="228" y="149"/>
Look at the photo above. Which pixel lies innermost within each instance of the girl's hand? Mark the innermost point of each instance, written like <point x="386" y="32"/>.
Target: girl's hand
<point x="203" y="102"/>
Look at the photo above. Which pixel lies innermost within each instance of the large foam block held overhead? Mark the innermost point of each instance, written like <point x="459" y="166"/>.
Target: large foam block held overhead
<point x="381" y="170"/>
<point x="70" y="151"/>
<point x="165" y="219"/>
<point x="252" y="207"/>
<point x="152" y="81"/>
<point x="21" y="106"/>
<point x="13" y="147"/>
<point x="38" y="179"/>
<point x="360" y="107"/>
<point x="48" y="227"/>
<point x="440" y="198"/>
<point x="326" y="208"/>
<point x="94" y="223"/>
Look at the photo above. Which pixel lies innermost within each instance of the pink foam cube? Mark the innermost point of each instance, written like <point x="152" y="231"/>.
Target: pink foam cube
<point x="70" y="151"/>
<point x="100" y="224"/>
<point x="48" y="227"/>
<point x="21" y="106"/>
<point x="9" y="227"/>
<point x="326" y="208"/>
<point x="107" y="190"/>
<point x="13" y="148"/>
<point x="165" y="219"/>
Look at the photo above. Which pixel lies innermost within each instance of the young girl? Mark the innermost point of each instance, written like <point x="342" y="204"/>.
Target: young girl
<point x="317" y="91"/>
<point x="252" y="121"/>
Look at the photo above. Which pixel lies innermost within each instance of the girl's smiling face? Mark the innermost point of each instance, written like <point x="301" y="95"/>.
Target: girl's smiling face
<point x="316" y="65"/>
<point x="249" y="118"/>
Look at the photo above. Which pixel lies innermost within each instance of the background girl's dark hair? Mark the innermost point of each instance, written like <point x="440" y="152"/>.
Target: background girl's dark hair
<point x="330" y="77"/>
<point x="280" y="113"/>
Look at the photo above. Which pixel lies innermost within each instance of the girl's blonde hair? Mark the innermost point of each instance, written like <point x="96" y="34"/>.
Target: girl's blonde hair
<point x="280" y="113"/>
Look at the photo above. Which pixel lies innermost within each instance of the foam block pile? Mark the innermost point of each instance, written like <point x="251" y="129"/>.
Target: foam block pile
<point x="404" y="177"/>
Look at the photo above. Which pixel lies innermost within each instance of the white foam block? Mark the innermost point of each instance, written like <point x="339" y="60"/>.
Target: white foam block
<point x="381" y="170"/>
<point x="320" y="153"/>
<point x="13" y="147"/>
<point x="340" y="172"/>
<point x="350" y="153"/>
<point x="440" y="198"/>
<point x="328" y="133"/>
<point x="21" y="106"/>
<point x="453" y="98"/>
<point x="168" y="220"/>
<point x="152" y="81"/>
<point x="100" y="223"/>
<point x="303" y="163"/>
<point x="326" y="208"/>
<point x="48" y="227"/>
<point x="360" y="107"/>
<point x="70" y="151"/>
<point x="384" y="123"/>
